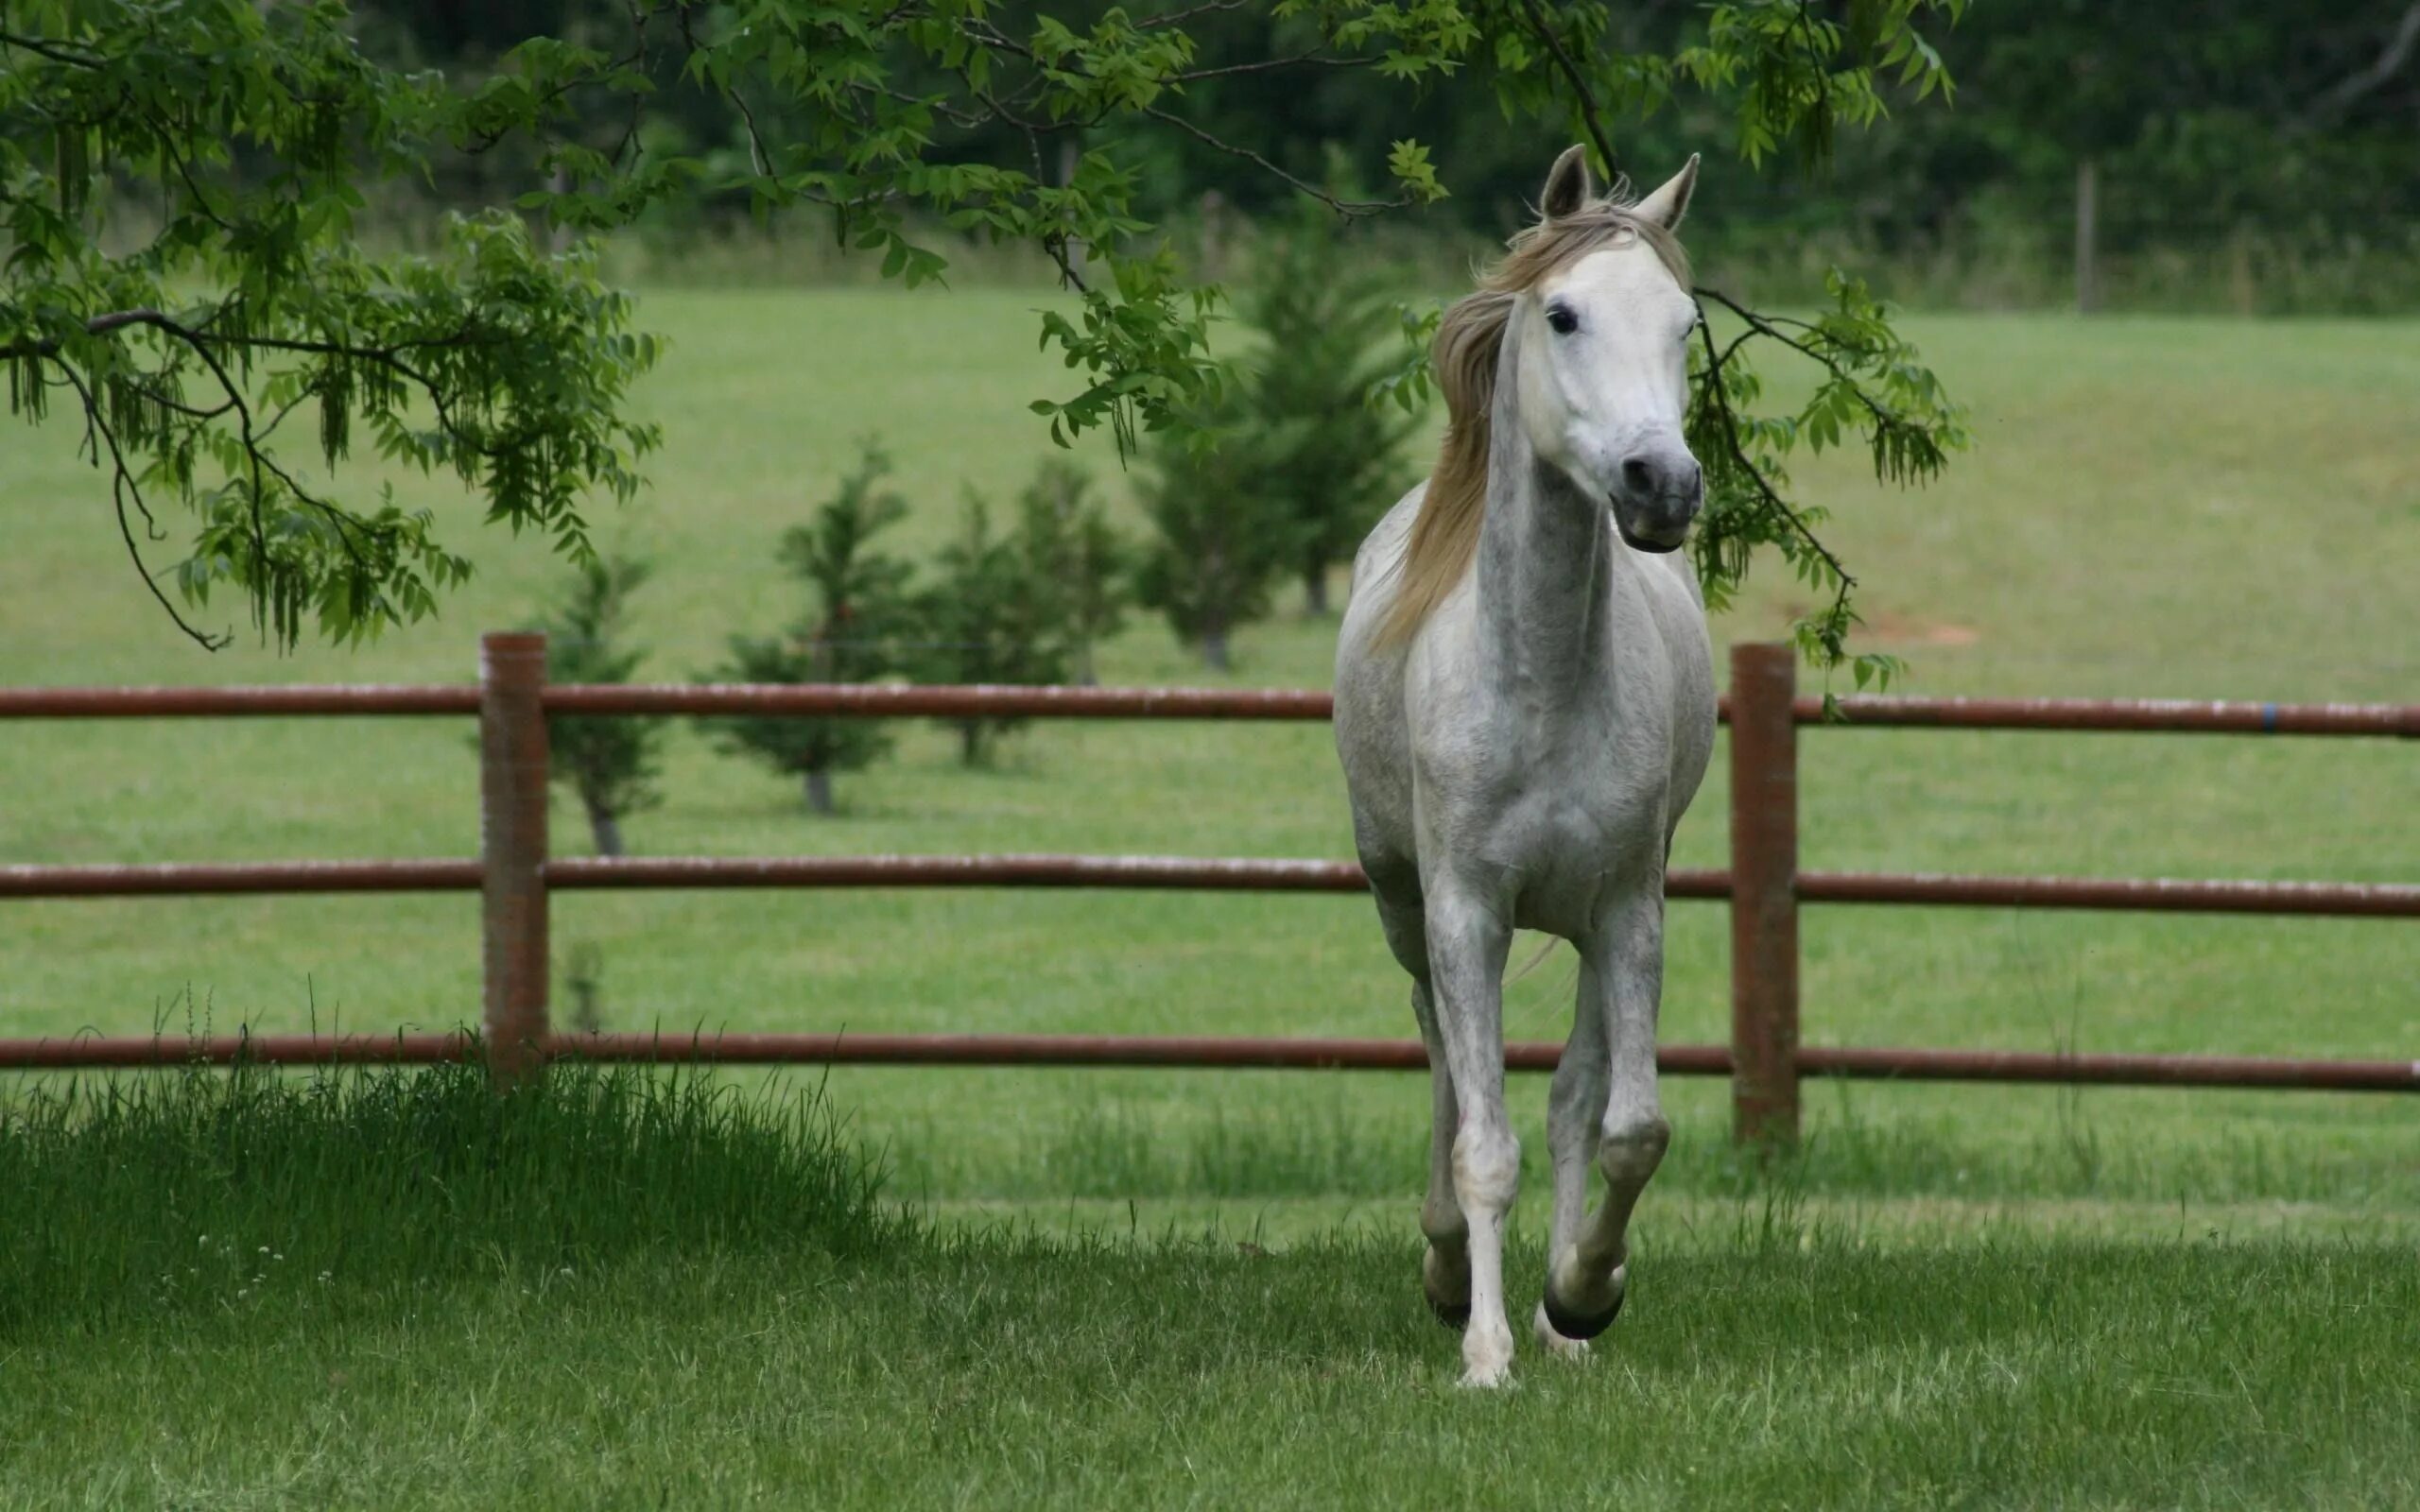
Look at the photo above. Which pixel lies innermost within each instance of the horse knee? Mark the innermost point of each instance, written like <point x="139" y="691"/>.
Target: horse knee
<point x="1631" y="1148"/>
<point x="1487" y="1167"/>
<point x="1442" y="1221"/>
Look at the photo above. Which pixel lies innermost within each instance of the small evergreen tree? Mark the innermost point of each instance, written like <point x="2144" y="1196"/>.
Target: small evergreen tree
<point x="1224" y="536"/>
<point x="1067" y="540"/>
<point x="612" y="764"/>
<point x="856" y="609"/>
<point x="1329" y="332"/>
<point x="990" y="616"/>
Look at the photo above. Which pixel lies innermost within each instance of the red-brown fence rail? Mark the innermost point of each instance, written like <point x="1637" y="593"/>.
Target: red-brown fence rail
<point x="515" y="876"/>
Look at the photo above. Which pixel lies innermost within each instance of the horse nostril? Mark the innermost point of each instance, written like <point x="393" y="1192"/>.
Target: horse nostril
<point x="1638" y="475"/>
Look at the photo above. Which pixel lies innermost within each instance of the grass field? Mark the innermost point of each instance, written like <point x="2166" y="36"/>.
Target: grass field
<point x="1965" y="1285"/>
<point x="392" y="1292"/>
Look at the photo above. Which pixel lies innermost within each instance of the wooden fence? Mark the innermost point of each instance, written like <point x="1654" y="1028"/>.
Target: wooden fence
<point x="515" y="875"/>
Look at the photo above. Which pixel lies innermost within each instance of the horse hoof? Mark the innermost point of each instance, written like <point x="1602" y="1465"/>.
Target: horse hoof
<point x="1455" y="1316"/>
<point x="1579" y="1325"/>
<point x="1573" y="1351"/>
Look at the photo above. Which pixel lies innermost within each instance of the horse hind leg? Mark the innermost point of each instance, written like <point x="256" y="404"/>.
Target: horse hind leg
<point x="1575" y="1110"/>
<point x="1446" y="1264"/>
<point x="1588" y="1276"/>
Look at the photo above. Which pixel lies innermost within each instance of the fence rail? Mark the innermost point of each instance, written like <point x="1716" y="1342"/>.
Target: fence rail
<point x="2170" y="895"/>
<point x="891" y="701"/>
<point x="1764" y="884"/>
<point x="1862" y="1063"/>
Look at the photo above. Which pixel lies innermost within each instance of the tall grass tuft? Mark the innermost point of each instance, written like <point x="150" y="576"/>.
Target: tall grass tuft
<point x="129" y="1196"/>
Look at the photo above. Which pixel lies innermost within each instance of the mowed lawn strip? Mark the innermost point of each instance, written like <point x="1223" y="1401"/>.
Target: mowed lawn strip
<point x="1001" y="1371"/>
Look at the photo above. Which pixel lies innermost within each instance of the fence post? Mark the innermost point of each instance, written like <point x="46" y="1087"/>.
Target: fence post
<point x="1764" y="895"/>
<point x="512" y="851"/>
<point x="2088" y="235"/>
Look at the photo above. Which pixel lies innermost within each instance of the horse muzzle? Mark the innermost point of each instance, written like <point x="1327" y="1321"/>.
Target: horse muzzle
<point x="1658" y="544"/>
<point x="1657" y="527"/>
<point x="1661" y="489"/>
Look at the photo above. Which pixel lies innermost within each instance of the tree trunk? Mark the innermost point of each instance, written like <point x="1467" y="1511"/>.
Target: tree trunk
<point x="2088" y="235"/>
<point x="1071" y="152"/>
<point x="559" y="234"/>
<point x="819" y="790"/>
<point x="1315" y="590"/>
<point x="1214" y="647"/>
<point x="1085" y="676"/>
<point x="586" y="980"/>
<point x="1214" y="235"/>
<point x="605" y="828"/>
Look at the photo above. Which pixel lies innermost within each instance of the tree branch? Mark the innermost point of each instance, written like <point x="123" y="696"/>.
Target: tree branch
<point x="200" y="341"/>
<point x="122" y="484"/>
<point x="2332" y="105"/>
<point x="40" y="48"/>
<point x="1587" y="96"/>
<point x="1342" y="207"/>
<point x="1177" y="17"/>
<point x="1721" y="398"/>
<point x="1314" y="58"/>
<point x="1765" y="327"/>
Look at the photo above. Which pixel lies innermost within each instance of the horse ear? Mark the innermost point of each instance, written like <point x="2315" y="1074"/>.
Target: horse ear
<point x="1666" y="205"/>
<point x="1567" y="184"/>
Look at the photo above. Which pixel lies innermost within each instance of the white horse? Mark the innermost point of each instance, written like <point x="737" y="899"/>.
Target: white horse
<point x="1523" y="707"/>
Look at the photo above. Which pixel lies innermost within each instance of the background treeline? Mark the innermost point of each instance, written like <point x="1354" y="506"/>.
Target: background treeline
<point x="2251" y="155"/>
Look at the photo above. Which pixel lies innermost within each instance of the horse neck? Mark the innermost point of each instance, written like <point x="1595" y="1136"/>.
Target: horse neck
<point x="1543" y="558"/>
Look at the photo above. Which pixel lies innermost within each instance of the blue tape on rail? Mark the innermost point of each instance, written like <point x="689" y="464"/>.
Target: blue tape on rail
<point x="2268" y="718"/>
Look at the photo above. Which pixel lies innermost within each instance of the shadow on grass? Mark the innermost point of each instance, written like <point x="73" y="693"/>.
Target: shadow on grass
<point x="153" y="1190"/>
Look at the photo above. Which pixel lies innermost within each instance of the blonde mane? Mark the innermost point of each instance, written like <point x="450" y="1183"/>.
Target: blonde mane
<point x="1470" y="338"/>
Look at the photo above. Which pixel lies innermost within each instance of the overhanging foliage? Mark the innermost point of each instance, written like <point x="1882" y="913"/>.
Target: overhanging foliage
<point x="187" y="343"/>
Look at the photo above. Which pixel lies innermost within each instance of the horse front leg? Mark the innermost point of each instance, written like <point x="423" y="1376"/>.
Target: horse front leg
<point x="1588" y="1277"/>
<point x="1467" y="941"/>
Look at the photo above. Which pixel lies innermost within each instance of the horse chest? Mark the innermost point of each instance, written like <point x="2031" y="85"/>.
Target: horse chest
<point x="1575" y="799"/>
<point x="1556" y="815"/>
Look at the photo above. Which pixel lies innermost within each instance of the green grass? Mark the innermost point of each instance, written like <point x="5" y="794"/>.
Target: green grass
<point x="388" y="1289"/>
<point x="1957" y="1295"/>
<point x="150" y="1195"/>
<point x="1013" y="1373"/>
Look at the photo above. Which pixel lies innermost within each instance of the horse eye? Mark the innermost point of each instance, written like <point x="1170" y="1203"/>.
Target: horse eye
<point x="1563" y="321"/>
